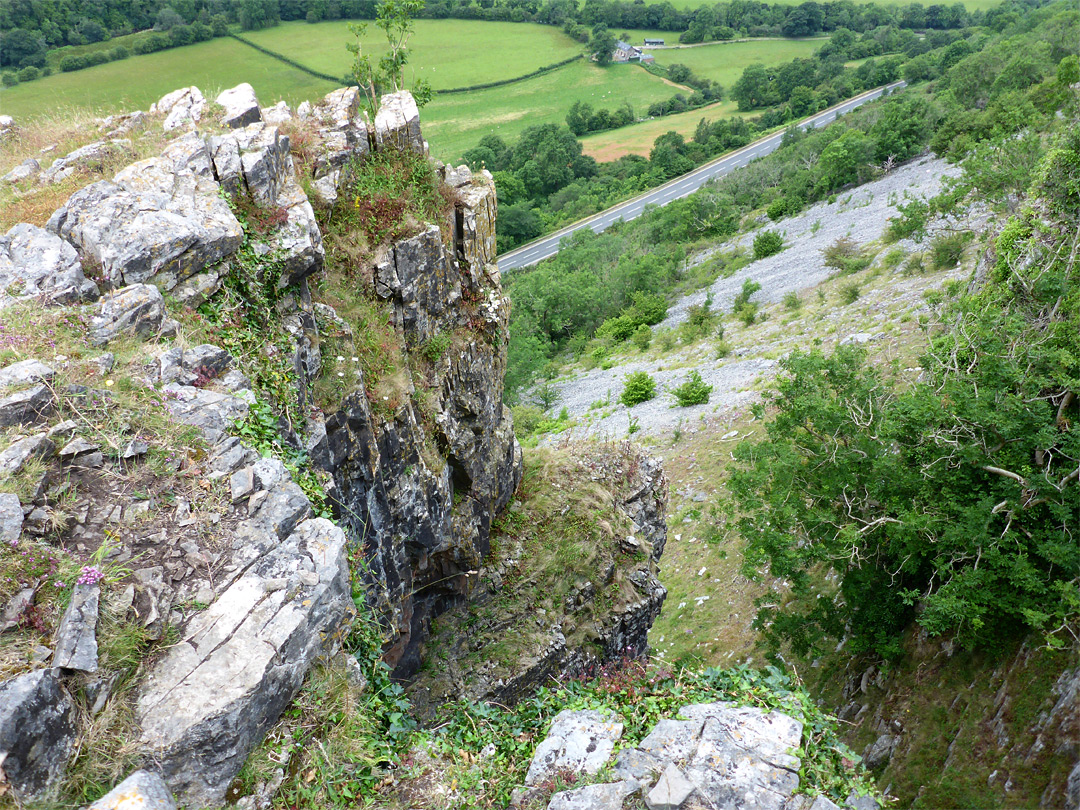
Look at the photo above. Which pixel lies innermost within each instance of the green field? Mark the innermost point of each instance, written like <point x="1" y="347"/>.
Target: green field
<point x="447" y="53"/>
<point x="724" y="62"/>
<point x="137" y="82"/>
<point x="454" y="123"/>
<point x="970" y="5"/>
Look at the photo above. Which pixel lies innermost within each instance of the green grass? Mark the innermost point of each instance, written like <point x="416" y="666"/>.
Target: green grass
<point x="447" y="53"/>
<point x="454" y="123"/>
<point x="139" y="81"/>
<point x="970" y="5"/>
<point x="724" y="62"/>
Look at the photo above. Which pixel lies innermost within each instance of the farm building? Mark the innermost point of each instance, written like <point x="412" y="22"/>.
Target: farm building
<point x="625" y="52"/>
<point x="649" y="42"/>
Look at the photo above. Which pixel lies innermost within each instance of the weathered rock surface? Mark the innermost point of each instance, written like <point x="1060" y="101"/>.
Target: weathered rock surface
<point x="14" y="458"/>
<point x="211" y="411"/>
<point x="241" y="106"/>
<point x="76" y="640"/>
<point x="181" y="108"/>
<point x="604" y="796"/>
<point x="11" y="518"/>
<point x="137" y="310"/>
<point x="143" y="790"/>
<point x="37" y="264"/>
<point x="37" y="731"/>
<point x="91" y="157"/>
<point x="342" y="135"/>
<point x="210" y="699"/>
<point x="26" y="393"/>
<point x="27" y="170"/>
<point x="397" y="123"/>
<point x="578" y="741"/>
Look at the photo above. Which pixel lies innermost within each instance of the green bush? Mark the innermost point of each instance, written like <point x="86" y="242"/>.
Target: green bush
<point x="792" y="300"/>
<point x="642" y="337"/>
<point x="692" y="392"/>
<point x="118" y="53"/>
<point x="945" y="251"/>
<point x="767" y="243"/>
<point x="780" y="208"/>
<point x="847" y="256"/>
<point x="650" y="308"/>
<point x="73" y="62"/>
<point x="723" y="349"/>
<point x="749" y="287"/>
<point x="617" y="329"/>
<point x="29" y="74"/>
<point x="700" y="320"/>
<point x="850" y="293"/>
<point x="9" y="78"/>
<point x="639" y="387"/>
<point x="526" y="418"/>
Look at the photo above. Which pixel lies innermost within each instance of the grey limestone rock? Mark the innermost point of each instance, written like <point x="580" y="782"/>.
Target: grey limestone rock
<point x="25" y="372"/>
<point x="241" y="106"/>
<point x="27" y="170"/>
<point x="76" y="640"/>
<point x="879" y="752"/>
<point x="210" y="411"/>
<point x="37" y="732"/>
<point x="604" y="796"/>
<point x="1072" y="789"/>
<point x="11" y="518"/>
<point x="211" y="698"/>
<point x="160" y="219"/>
<point x="580" y="741"/>
<point x="397" y="123"/>
<point x="26" y="405"/>
<point x="207" y="356"/>
<point x="414" y="274"/>
<point x="278" y="114"/>
<point x="341" y="133"/>
<point x="181" y="108"/>
<point x="18" y="453"/>
<point x="137" y="309"/>
<point x="37" y="264"/>
<point x="16" y="606"/>
<point x="92" y="156"/>
<point x="671" y="790"/>
<point x="142" y="790"/>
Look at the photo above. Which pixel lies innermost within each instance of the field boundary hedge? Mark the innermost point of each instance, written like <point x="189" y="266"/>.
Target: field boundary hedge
<point x="450" y="91"/>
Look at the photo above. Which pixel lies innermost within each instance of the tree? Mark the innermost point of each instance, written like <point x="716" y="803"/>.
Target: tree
<point x="21" y="48"/>
<point x="166" y="19"/>
<point x="845" y="159"/>
<point x="602" y="44"/>
<point x="396" y="20"/>
<point x="753" y="88"/>
<point x="256" y="14"/>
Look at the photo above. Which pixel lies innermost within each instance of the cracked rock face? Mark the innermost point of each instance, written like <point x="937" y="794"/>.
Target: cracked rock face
<point x="212" y="697"/>
<point x="160" y="220"/>
<point x="37" y="732"/>
<point x="579" y="741"/>
<point x="37" y="264"/>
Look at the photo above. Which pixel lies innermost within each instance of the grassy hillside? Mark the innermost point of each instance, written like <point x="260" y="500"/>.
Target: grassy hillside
<point x="447" y="53"/>
<point x="139" y="81"/>
<point x="724" y="62"/>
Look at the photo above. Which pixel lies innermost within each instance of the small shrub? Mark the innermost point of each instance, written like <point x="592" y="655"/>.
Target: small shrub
<point x="847" y="256"/>
<point x="639" y="387"/>
<point x="436" y="347"/>
<point x="526" y="418"/>
<point x="914" y="265"/>
<point x="29" y="74"/>
<point x="723" y="349"/>
<point x="749" y="287"/>
<point x="767" y="243"/>
<point x="699" y="321"/>
<point x="616" y="330"/>
<point x="665" y="340"/>
<point x="547" y="395"/>
<point x="945" y="251"/>
<point x="849" y="293"/>
<point x="642" y="337"/>
<point x="893" y="259"/>
<point x="792" y="300"/>
<point x="692" y="392"/>
<point x="649" y="308"/>
<point x="9" y="78"/>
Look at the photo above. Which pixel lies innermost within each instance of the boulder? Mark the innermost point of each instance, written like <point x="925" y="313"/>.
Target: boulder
<point x="278" y="114"/>
<point x="162" y="219"/>
<point x="181" y="108"/>
<point x="879" y="752"/>
<point x="210" y="699"/>
<point x="76" y="640"/>
<point x="27" y="170"/>
<point x="136" y="310"/>
<point x="15" y="456"/>
<point x="211" y="358"/>
<point x="341" y="133"/>
<point x="23" y="373"/>
<point x="37" y="732"/>
<point x="92" y="157"/>
<point x="397" y="123"/>
<point x="241" y="106"/>
<point x="37" y="264"/>
<point x="671" y="790"/>
<point x="579" y="741"/>
<point x="210" y="411"/>
<point x="25" y="406"/>
<point x="143" y="790"/>
<point x="11" y="518"/>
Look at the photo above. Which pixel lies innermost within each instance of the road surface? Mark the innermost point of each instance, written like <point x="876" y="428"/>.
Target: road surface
<point x="680" y="187"/>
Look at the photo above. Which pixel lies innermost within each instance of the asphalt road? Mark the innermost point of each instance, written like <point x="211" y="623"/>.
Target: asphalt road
<point x="680" y="187"/>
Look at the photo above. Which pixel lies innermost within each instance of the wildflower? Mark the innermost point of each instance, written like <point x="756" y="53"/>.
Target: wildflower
<point x="341" y="373"/>
<point x="90" y="575"/>
<point x="108" y="383"/>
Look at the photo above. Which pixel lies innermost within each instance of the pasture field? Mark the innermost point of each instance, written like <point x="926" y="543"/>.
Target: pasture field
<point x="454" y="123"/>
<point x="970" y="5"/>
<point x="638" y="138"/>
<point x="137" y="82"/>
<point x="724" y="62"/>
<point x="447" y="53"/>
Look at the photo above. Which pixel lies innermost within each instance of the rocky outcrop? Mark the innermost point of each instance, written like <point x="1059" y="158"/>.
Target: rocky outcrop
<point x="143" y="790"/>
<point x="211" y="698"/>
<point x="240" y="105"/>
<point x="712" y="755"/>
<point x="37" y="732"/>
<point x="397" y="123"/>
<point x="342" y="135"/>
<point x="181" y="108"/>
<point x="37" y="264"/>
